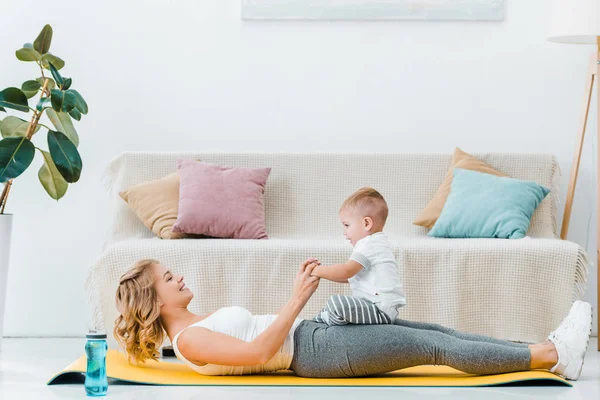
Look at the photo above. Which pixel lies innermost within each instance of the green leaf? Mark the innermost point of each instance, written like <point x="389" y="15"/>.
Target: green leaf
<point x="75" y="114"/>
<point x="62" y="101"/>
<point x="80" y="103"/>
<point x="57" y="78"/>
<point x="30" y="94"/>
<point x="63" y="123"/>
<point x="51" y="179"/>
<point x="65" y="156"/>
<point x="66" y="83"/>
<point x="42" y="42"/>
<point x="51" y="58"/>
<point x="16" y="155"/>
<point x="14" y="98"/>
<point x="57" y="98"/>
<point x="69" y="102"/>
<point x="30" y="88"/>
<point x="15" y="127"/>
<point x="27" y="54"/>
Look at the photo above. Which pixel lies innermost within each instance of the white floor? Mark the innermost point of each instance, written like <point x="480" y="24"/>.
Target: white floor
<point x="26" y="365"/>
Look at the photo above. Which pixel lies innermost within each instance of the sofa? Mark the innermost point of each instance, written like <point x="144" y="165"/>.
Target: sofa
<point x="512" y="289"/>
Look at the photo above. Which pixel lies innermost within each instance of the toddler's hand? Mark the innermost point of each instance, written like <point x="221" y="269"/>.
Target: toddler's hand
<point x="311" y="260"/>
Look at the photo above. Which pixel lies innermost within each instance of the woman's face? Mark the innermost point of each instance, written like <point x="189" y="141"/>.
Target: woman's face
<point x="170" y="288"/>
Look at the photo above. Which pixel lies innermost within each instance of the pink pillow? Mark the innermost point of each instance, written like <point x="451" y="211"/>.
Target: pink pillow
<point x="224" y="202"/>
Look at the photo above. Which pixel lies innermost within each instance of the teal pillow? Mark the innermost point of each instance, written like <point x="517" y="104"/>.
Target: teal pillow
<point x="487" y="206"/>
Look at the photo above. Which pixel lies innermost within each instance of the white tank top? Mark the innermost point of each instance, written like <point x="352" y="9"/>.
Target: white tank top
<point x="241" y="324"/>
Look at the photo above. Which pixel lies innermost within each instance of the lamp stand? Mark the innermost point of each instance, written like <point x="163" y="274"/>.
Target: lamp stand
<point x="593" y="73"/>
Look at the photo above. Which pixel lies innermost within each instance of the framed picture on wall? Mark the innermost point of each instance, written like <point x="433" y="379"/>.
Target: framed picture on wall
<point x="420" y="10"/>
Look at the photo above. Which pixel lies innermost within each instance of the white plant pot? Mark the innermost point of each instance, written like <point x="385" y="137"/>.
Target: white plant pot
<point x="5" y="235"/>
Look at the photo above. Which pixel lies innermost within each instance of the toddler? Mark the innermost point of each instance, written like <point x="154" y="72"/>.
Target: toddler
<point x="371" y="271"/>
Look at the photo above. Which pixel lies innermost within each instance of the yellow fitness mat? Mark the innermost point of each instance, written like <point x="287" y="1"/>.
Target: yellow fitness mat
<point x="169" y="373"/>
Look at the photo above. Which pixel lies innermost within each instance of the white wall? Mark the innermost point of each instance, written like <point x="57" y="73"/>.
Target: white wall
<point x="190" y="75"/>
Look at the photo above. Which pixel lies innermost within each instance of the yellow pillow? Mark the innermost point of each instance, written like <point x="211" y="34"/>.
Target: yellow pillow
<point x="434" y="208"/>
<point x="156" y="204"/>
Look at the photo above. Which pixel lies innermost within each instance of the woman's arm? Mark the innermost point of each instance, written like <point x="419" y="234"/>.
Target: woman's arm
<point x="227" y="350"/>
<point x="223" y="349"/>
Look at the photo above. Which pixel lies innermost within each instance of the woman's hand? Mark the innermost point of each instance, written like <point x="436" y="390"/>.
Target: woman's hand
<point x="305" y="284"/>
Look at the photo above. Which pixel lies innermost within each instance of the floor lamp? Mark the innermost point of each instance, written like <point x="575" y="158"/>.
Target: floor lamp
<point x="578" y="22"/>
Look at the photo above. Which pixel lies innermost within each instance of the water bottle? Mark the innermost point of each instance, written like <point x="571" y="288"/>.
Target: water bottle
<point x="96" y="383"/>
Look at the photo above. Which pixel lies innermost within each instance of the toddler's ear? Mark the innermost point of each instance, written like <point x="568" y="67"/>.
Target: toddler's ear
<point x="368" y="223"/>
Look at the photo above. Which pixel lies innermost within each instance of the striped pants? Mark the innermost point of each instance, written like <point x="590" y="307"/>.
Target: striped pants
<point x="344" y="310"/>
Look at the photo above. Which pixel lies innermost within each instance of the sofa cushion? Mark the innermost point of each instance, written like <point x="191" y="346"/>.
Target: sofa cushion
<point x="221" y="201"/>
<point x="487" y="206"/>
<point x="460" y="159"/>
<point x="156" y="203"/>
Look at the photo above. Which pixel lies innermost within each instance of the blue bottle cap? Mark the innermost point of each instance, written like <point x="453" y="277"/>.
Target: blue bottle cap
<point x="96" y="335"/>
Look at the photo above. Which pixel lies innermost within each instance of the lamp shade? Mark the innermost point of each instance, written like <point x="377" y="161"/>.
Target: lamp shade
<point x="575" y="21"/>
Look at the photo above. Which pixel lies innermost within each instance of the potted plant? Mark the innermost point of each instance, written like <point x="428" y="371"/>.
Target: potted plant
<point x="61" y="161"/>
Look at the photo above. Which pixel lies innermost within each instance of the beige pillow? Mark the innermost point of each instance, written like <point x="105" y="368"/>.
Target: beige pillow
<point x="460" y="159"/>
<point x="156" y="204"/>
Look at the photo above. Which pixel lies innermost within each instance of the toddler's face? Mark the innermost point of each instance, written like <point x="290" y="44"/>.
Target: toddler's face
<point x="355" y="227"/>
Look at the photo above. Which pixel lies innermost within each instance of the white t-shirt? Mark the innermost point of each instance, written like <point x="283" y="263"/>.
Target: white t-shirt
<point x="379" y="280"/>
<point x="240" y="323"/>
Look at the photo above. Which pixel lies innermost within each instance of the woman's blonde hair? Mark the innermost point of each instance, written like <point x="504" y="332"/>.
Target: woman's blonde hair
<point x="139" y="329"/>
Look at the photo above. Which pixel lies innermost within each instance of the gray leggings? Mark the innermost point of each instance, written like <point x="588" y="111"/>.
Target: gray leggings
<point x="322" y="351"/>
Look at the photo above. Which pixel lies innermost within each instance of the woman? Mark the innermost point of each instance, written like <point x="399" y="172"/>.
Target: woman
<point x="153" y="302"/>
